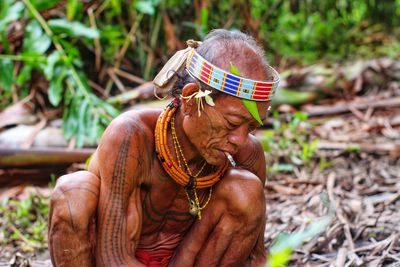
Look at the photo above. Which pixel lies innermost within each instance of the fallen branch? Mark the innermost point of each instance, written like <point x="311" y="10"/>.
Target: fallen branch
<point x="128" y="76"/>
<point x="312" y="110"/>
<point x="383" y="148"/>
<point x="14" y="157"/>
<point x="284" y="190"/>
<point x="40" y="176"/>
<point x="116" y="80"/>
<point x="132" y="94"/>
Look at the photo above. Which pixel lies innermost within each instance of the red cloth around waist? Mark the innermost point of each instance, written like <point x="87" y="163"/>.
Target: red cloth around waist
<point x="158" y="258"/>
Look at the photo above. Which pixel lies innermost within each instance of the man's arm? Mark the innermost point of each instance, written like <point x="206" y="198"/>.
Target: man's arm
<point x="71" y="219"/>
<point x="251" y="157"/>
<point x="253" y="160"/>
<point x="121" y="169"/>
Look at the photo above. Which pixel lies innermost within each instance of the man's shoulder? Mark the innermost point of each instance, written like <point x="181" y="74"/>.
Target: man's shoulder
<point x="131" y="127"/>
<point x="148" y="117"/>
<point x="134" y="121"/>
<point x="132" y="130"/>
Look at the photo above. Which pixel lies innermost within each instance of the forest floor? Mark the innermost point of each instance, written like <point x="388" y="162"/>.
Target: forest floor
<point x="357" y="163"/>
<point x="348" y="149"/>
<point x="365" y="189"/>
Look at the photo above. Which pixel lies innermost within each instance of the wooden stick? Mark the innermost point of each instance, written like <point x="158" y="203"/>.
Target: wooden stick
<point x="129" y="76"/>
<point x="129" y="95"/>
<point x="116" y="80"/>
<point x="383" y="148"/>
<point x="31" y="139"/>
<point x="122" y="51"/>
<point x="346" y="107"/>
<point x="97" y="46"/>
<point x="33" y="176"/>
<point x="17" y="157"/>
<point x="97" y="87"/>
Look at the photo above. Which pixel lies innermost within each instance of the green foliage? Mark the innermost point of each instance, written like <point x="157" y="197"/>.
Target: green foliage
<point x="203" y="21"/>
<point x="72" y="29"/>
<point x="74" y="8"/>
<point x="44" y="4"/>
<point x="25" y="220"/>
<point x="9" y="12"/>
<point x="85" y="115"/>
<point x="6" y="75"/>
<point x="309" y="38"/>
<point x="330" y="30"/>
<point x="287" y="96"/>
<point x="285" y="244"/>
<point x="36" y="42"/>
<point x="146" y="7"/>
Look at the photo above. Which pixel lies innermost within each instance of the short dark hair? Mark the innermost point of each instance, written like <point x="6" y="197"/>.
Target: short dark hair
<point x="208" y="50"/>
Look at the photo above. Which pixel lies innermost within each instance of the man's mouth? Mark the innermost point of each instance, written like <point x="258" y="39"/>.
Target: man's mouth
<point x="223" y="153"/>
<point x="230" y="158"/>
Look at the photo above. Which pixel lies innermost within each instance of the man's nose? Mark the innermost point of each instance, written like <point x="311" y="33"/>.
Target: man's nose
<point x="238" y="136"/>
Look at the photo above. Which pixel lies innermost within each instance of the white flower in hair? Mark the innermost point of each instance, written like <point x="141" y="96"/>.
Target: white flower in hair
<point x="199" y="99"/>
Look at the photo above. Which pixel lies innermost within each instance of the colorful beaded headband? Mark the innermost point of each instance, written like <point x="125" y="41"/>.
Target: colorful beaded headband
<point x="229" y="83"/>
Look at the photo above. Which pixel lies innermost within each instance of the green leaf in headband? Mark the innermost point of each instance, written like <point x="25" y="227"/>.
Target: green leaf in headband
<point x="250" y="105"/>
<point x="252" y="108"/>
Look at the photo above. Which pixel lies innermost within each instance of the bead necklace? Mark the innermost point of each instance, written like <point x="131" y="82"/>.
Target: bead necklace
<point x="178" y="147"/>
<point x="195" y="207"/>
<point x="174" y="169"/>
<point x="168" y="162"/>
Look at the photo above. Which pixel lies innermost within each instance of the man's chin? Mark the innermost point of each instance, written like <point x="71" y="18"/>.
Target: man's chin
<point x="215" y="161"/>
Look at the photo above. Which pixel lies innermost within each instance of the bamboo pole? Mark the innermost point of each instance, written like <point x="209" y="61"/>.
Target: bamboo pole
<point x="17" y="157"/>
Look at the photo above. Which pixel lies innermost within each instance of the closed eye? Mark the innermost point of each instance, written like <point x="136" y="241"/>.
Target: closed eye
<point x="233" y="125"/>
<point x="253" y="127"/>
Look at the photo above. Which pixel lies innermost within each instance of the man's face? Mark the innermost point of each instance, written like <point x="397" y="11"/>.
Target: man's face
<point x="225" y="127"/>
<point x="222" y="128"/>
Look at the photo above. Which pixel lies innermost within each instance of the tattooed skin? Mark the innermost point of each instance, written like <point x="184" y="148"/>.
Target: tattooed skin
<point x="137" y="208"/>
<point x="165" y="206"/>
<point x="113" y="242"/>
<point x="83" y="187"/>
<point x="70" y="197"/>
<point x="120" y="193"/>
<point x="141" y="207"/>
<point x="156" y="216"/>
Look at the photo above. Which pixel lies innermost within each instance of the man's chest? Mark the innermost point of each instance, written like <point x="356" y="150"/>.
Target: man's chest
<point x="165" y="206"/>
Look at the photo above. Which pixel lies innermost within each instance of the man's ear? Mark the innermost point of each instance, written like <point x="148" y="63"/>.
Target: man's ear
<point x="189" y="105"/>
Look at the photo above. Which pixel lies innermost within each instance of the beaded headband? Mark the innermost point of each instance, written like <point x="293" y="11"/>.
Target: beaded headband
<point x="200" y="68"/>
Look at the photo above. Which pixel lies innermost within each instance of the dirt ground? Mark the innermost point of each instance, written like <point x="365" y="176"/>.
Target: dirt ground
<point x="363" y="184"/>
<point x="365" y="232"/>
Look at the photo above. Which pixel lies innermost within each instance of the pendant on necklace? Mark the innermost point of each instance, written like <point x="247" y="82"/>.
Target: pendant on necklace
<point x="194" y="210"/>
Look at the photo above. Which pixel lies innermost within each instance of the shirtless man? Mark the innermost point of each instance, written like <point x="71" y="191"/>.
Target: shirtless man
<point x="159" y="190"/>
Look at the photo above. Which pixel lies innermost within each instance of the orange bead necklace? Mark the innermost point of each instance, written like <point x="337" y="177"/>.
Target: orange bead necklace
<point x="167" y="161"/>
